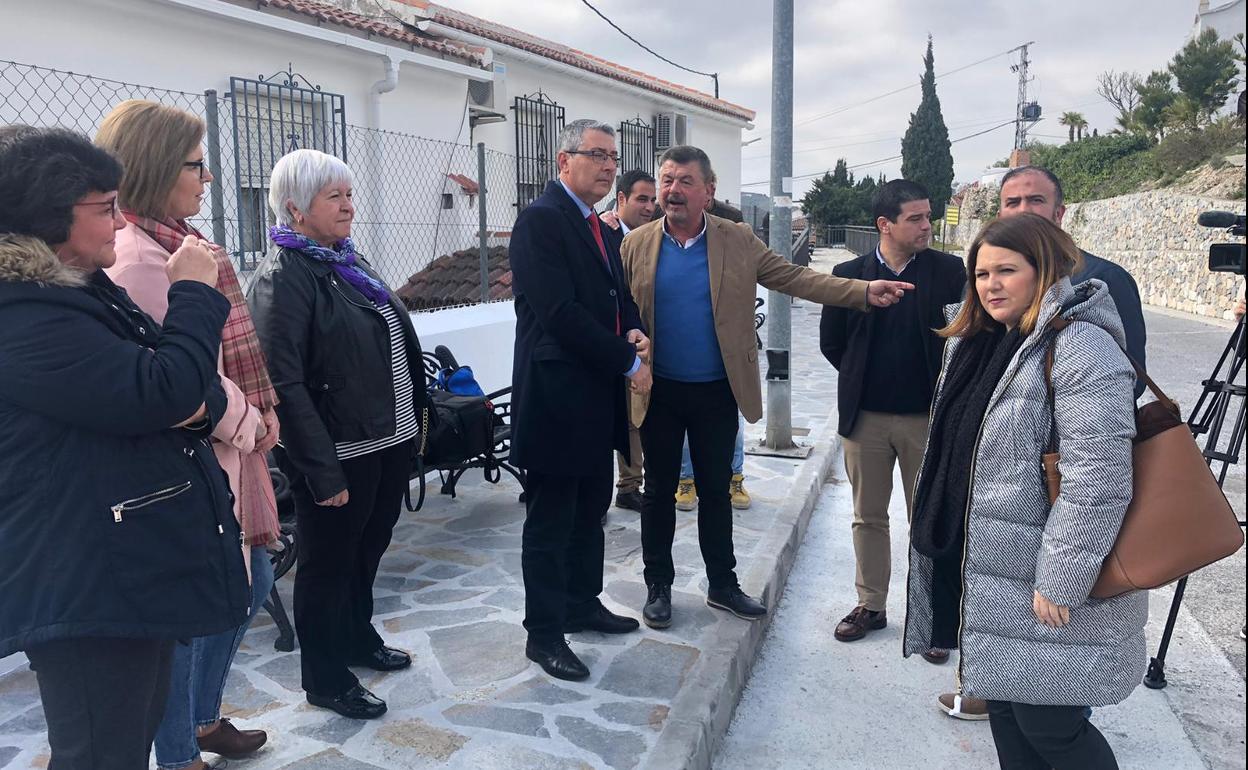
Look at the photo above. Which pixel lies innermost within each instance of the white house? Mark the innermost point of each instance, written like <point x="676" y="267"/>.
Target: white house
<point x="401" y="88"/>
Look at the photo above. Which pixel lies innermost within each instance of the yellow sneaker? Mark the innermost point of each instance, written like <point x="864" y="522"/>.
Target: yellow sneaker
<point x="686" y="495"/>
<point x="736" y="488"/>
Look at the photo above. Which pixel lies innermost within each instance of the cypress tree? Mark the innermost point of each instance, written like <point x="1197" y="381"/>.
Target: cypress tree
<point x="925" y="155"/>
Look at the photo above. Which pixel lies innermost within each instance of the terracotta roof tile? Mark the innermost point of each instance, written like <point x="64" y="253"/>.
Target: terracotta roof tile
<point x="391" y="30"/>
<point x="455" y="279"/>
<point x="448" y="17"/>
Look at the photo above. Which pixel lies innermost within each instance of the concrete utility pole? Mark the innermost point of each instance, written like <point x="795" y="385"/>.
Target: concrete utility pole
<point x="779" y="389"/>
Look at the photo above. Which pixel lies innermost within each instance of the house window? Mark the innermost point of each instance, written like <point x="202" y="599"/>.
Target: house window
<point x="538" y="123"/>
<point x="254" y="220"/>
<point x="636" y="146"/>
<point x="272" y="117"/>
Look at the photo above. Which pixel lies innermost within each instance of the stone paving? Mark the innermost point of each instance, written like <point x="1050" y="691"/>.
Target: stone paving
<point x="450" y="591"/>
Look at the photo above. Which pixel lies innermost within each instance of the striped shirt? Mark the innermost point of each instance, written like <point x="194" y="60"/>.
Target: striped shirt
<point x="405" y="423"/>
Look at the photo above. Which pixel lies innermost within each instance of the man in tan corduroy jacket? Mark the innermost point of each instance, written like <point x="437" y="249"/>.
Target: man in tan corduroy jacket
<point x="693" y="276"/>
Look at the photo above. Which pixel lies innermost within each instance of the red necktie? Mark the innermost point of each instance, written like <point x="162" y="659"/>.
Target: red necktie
<point x="595" y="227"/>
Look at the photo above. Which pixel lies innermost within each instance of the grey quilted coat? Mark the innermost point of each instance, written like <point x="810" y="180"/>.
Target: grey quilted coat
<point x="1016" y="543"/>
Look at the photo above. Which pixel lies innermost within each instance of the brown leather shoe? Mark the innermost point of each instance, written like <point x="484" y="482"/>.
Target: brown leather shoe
<point x="936" y="656"/>
<point x="963" y="707"/>
<point x="858" y="623"/>
<point x="232" y="743"/>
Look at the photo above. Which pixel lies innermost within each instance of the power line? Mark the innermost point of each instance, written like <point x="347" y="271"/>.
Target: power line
<point x="888" y="138"/>
<point x="712" y="75"/>
<point x="1009" y="122"/>
<point x="895" y="91"/>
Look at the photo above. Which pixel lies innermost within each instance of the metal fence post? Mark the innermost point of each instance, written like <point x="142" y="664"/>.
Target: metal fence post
<point x="779" y="388"/>
<point x="216" y="191"/>
<point x="483" y="234"/>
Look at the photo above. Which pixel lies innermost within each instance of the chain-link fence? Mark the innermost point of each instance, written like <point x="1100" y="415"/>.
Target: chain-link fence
<point x="418" y="201"/>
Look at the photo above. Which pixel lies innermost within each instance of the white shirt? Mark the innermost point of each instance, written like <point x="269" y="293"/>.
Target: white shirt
<point x="687" y="244"/>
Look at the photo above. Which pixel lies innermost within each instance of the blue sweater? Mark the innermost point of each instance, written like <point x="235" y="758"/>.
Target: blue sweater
<point x="685" y="346"/>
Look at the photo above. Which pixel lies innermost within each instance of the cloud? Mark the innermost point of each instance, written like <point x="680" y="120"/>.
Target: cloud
<point x="848" y="51"/>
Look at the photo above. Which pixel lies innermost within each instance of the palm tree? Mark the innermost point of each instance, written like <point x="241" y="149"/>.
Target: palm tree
<point x="1069" y="119"/>
<point x="1079" y="123"/>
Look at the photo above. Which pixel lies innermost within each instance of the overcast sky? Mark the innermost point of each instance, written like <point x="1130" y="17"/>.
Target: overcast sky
<point x="848" y="51"/>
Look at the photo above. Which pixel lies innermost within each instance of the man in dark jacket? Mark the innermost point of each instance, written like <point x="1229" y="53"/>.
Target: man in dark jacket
<point x="1038" y="191"/>
<point x="579" y="343"/>
<point x="888" y="364"/>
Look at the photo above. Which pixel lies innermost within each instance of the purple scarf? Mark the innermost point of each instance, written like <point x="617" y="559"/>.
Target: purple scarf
<point x="342" y="257"/>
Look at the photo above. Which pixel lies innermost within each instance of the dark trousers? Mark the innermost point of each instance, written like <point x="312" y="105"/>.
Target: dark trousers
<point x="1043" y="737"/>
<point x="339" y="550"/>
<point x="707" y="412"/>
<point x="562" y="549"/>
<point x="103" y="699"/>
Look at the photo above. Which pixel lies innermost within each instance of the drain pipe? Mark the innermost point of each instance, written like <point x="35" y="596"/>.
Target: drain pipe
<point x="376" y="199"/>
<point x="383" y="86"/>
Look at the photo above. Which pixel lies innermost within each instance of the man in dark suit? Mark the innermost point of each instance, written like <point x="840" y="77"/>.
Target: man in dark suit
<point x="579" y="344"/>
<point x="887" y="367"/>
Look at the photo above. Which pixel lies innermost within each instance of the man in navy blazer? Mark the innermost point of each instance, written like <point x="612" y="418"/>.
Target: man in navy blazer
<point x="579" y="345"/>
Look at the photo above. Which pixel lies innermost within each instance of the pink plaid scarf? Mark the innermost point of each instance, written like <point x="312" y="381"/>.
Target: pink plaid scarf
<point x="243" y="362"/>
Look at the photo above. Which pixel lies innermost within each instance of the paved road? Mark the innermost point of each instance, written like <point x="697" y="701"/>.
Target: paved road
<point x="813" y="702"/>
<point x="1182" y="353"/>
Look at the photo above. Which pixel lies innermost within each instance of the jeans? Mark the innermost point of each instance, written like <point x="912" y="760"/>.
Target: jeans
<point x="102" y="699"/>
<point x="738" y="454"/>
<point x="1043" y="737"/>
<point x="197" y="681"/>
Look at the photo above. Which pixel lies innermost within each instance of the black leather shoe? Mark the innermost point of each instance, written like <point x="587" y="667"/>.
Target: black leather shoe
<point x="658" y="610"/>
<point x="557" y="659"/>
<point x="736" y="601"/>
<point x="383" y="659"/>
<point x="356" y="703"/>
<point x="603" y="621"/>
<point x="628" y="500"/>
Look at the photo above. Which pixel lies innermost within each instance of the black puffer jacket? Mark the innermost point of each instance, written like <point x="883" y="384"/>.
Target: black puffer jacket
<point x="113" y="523"/>
<point x="328" y="351"/>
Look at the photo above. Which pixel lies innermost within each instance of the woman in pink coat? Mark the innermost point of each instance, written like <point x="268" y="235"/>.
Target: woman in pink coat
<point x="162" y="185"/>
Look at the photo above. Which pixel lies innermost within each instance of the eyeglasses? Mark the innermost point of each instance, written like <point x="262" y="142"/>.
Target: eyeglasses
<point x="111" y="203"/>
<point x="599" y="156"/>
<point x="199" y="166"/>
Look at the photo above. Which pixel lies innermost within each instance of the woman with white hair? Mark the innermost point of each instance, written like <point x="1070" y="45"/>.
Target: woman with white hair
<point x="346" y="363"/>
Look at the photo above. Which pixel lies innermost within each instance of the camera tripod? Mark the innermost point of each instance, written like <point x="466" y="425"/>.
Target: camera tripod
<point x="1221" y="397"/>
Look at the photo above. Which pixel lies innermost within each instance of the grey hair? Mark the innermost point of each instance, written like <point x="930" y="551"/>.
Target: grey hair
<point x="298" y="176"/>
<point x="572" y="134"/>
<point x="687" y="153"/>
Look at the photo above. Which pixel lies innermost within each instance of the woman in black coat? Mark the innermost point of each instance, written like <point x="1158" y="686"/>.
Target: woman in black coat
<point x="349" y="375"/>
<point x="117" y="535"/>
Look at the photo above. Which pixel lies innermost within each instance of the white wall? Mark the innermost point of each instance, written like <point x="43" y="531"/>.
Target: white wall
<point x="156" y="43"/>
<point x="584" y="98"/>
<point x="481" y="336"/>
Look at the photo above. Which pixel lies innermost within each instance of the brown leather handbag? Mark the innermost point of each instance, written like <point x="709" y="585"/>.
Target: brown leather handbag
<point x="1178" y="520"/>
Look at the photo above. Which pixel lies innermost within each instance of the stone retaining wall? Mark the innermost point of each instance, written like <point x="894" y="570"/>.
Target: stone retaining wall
<point x="1153" y="235"/>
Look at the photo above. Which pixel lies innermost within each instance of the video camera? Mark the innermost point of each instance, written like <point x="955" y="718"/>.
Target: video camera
<point x="1225" y="257"/>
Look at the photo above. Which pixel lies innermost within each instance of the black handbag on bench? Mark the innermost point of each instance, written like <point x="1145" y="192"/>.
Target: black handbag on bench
<point x="454" y="428"/>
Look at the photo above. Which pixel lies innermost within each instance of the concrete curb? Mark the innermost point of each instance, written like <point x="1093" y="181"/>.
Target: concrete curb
<point x="703" y="711"/>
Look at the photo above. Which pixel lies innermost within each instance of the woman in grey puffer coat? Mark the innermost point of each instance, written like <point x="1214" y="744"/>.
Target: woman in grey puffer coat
<point x="994" y="569"/>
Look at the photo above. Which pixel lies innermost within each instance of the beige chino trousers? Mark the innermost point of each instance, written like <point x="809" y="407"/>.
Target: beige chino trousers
<point x="878" y="441"/>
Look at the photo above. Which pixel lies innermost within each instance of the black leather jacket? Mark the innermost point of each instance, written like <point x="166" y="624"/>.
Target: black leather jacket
<point x="328" y="352"/>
